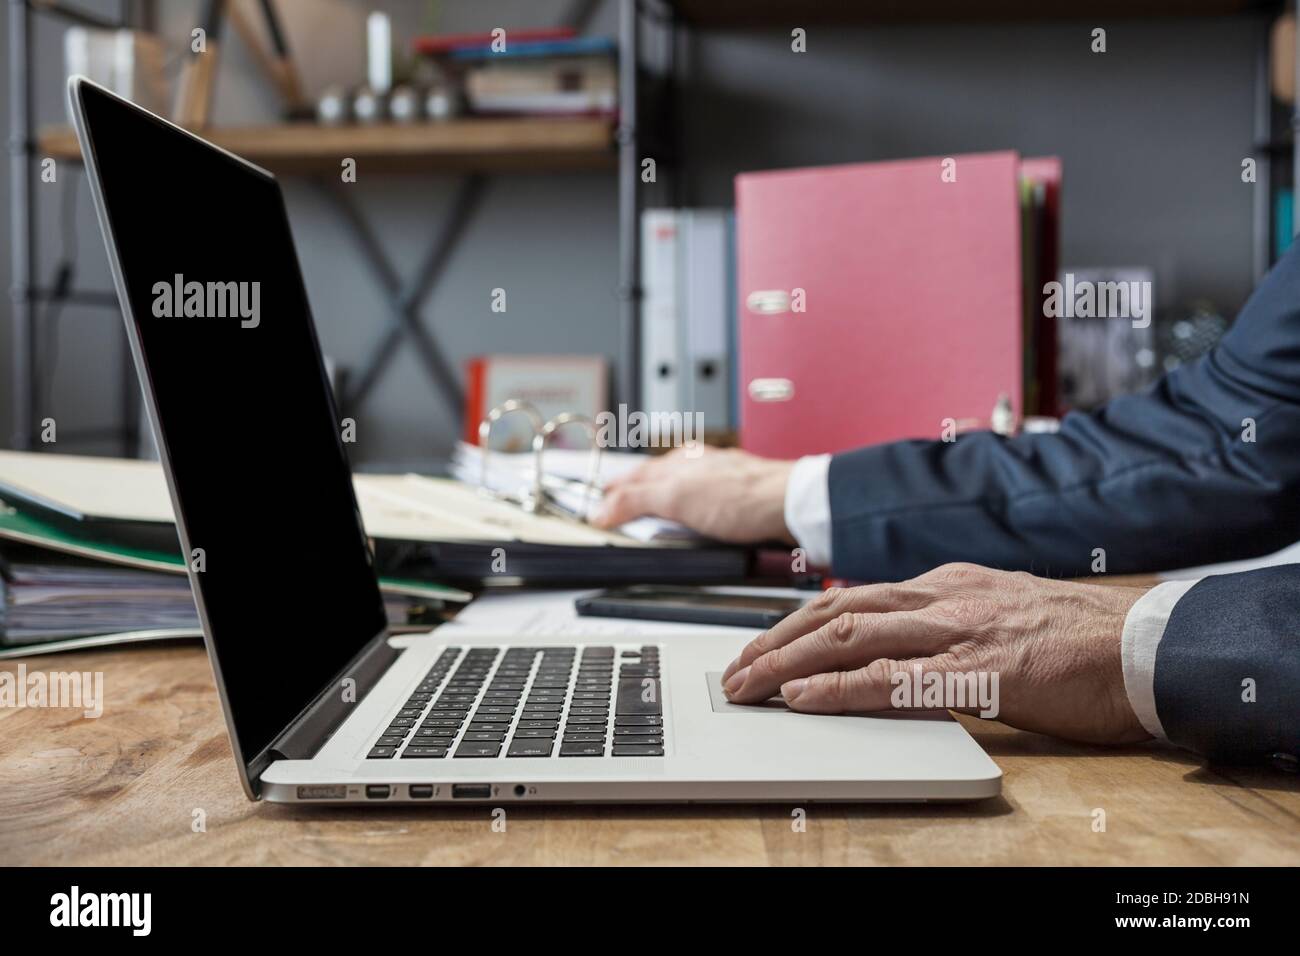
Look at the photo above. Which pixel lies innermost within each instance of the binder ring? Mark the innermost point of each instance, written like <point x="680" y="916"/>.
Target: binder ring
<point x="527" y="502"/>
<point x="540" y="440"/>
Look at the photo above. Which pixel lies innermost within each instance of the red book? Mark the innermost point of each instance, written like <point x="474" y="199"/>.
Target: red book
<point x="911" y="298"/>
<point x="550" y="383"/>
<point x="441" y="43"/>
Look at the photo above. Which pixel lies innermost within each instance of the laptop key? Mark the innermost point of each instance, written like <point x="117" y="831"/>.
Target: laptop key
<point x="638" y="750"/>
<point x="538" y="724"/>
<point x="484" y="735"/>
<point x="639" y="697"/>
<point x="381" y="753"/>
<point x="534" y="734"/>
<point x="641" y="720"/>
<point x="390" y="741"/>
<point x="415" y="753"/>
<point x="583" y="738"/>
<point x="529" y="747"/>
<point x="582" y="749"/>
<point x="478" y="749"/>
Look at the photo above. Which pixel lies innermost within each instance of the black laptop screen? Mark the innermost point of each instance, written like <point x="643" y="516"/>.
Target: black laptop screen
<point x="247" y="420"/>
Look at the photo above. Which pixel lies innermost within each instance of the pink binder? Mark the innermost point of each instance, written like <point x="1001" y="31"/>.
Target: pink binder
<point x="876" y="300"/>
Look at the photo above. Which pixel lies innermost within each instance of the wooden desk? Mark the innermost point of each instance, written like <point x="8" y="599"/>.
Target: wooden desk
<point x="123" y="788"/>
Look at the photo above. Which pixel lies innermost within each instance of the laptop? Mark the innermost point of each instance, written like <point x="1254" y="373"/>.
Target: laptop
<point x="322" y="704"/>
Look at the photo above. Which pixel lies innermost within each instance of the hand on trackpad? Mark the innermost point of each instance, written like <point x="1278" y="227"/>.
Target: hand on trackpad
<point x="776" y="705"/>
<point x="718" y="700"/>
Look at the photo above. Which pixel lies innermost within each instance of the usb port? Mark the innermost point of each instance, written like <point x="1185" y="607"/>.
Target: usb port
<point x="420" y="791"/>
<point x="378" y="791"/>
<point x="471" y="791"/>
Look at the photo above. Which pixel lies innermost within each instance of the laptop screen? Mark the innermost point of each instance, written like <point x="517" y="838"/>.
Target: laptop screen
<point x="284" y="574"/>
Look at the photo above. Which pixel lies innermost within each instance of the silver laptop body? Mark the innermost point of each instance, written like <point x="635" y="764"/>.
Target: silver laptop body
<point x="457" y="713"/>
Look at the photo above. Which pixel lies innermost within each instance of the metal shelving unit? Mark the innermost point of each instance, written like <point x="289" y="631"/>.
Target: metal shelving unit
<point x="27" y="293"/>
<point x="647" y="125"/>
<point x="1278" y="163"/>
<point x="473" y="148"/>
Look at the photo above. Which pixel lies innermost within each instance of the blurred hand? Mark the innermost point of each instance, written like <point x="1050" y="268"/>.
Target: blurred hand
<point x="1055" y="647"/>
<point x="726" y="494"/>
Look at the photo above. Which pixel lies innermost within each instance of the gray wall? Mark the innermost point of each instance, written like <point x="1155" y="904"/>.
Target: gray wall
<point x="1152" y="134"/>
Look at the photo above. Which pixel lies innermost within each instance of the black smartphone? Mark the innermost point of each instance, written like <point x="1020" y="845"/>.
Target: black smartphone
<point x="689" y="606"/>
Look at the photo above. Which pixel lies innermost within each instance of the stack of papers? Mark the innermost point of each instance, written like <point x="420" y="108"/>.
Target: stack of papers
<point x="50" y="603"/>
<point x="567" y="479"/>
<point x="45" y="602"/>
<point x="428" y="533"/>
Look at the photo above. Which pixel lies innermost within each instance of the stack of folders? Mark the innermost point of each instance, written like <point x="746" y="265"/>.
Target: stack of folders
<point x="44" y="599"/>
<point x="51" y="601"/>
<point x="431" y="536"/>
<point x="88" y="557"/>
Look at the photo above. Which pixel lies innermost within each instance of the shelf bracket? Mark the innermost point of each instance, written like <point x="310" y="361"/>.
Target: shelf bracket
<point x="406" y="297"/>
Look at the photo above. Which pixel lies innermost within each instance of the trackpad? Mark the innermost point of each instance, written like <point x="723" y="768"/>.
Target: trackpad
<point x="776" y="705"/>
<point x="721" y="705"/>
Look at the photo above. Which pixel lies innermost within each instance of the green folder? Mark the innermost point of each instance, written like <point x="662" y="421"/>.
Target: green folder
<point x="16" y="525"/>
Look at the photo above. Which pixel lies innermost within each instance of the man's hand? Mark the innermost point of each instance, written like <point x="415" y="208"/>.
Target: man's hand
<point x="726" y="494"/>
<point x="1054" y="645"/>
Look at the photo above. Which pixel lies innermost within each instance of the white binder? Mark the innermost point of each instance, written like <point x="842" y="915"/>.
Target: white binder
<point x="687" y="311"/>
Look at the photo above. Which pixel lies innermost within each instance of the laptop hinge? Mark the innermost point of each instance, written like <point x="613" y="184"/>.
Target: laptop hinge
<point x="306" y="735"/>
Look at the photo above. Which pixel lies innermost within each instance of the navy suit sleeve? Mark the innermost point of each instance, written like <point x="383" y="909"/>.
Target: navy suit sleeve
<point x="1227" y="670"/>
<point x="1160" y="479"/>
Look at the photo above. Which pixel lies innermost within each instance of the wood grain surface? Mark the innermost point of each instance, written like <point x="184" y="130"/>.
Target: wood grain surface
<point x="123" y="788"/>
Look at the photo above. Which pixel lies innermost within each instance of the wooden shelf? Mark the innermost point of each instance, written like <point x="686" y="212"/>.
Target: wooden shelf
<point x="724" y="14"/>
<point x="541" y="144"/>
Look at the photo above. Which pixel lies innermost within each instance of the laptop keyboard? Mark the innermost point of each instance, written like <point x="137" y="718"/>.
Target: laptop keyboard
<point x="531" y="702"/>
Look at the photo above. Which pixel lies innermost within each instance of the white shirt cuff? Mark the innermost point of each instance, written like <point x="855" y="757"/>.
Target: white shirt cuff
<point x="808" y="507"/>
<point x="1143" y="629"/>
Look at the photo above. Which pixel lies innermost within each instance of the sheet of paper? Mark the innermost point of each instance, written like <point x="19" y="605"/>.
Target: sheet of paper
<point x="422" y="508"/>
<point x="567" y="474"/>
<point x="119" y="488"/>
<point x="412" y="507"/>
